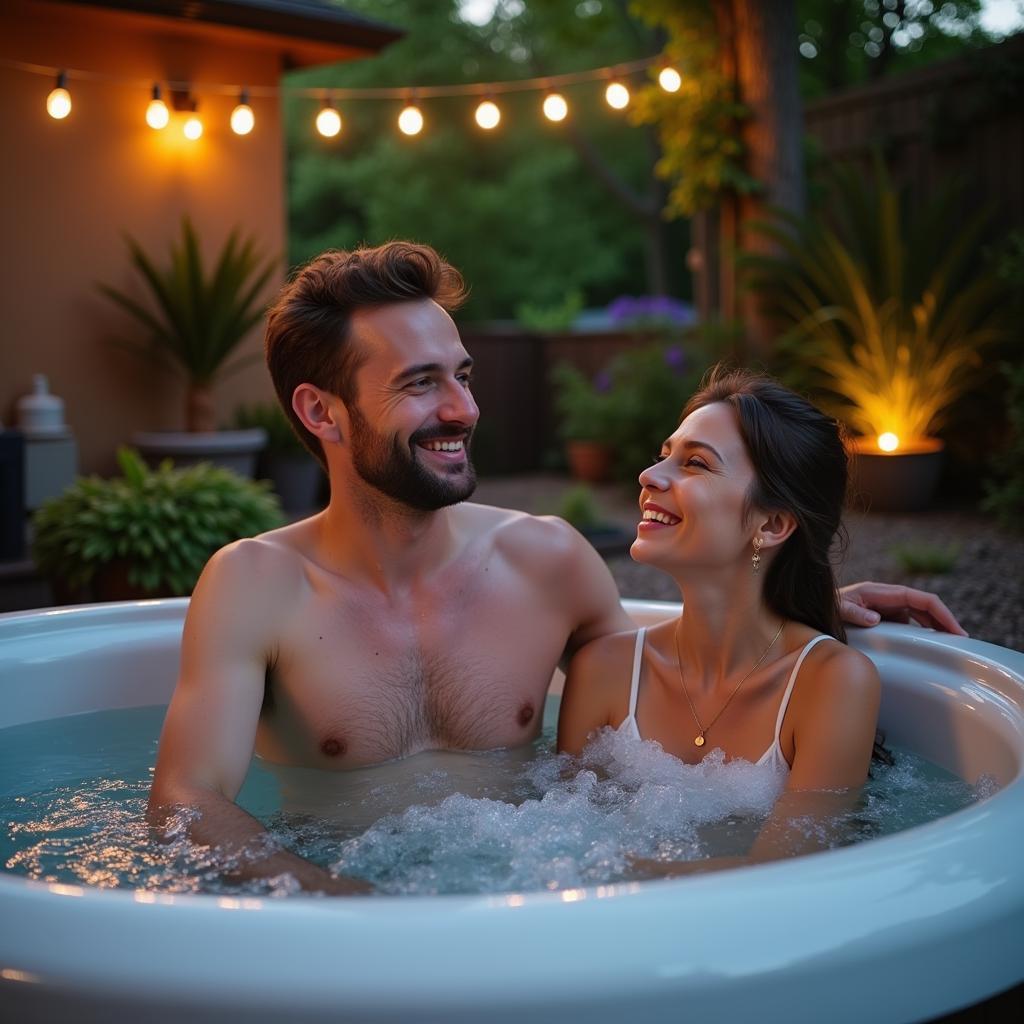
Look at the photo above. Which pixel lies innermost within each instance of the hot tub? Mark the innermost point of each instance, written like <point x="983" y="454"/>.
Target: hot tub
<point x="898" y="929"/>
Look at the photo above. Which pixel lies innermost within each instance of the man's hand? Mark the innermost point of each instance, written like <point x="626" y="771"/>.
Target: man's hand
<point x="866" y="604"/>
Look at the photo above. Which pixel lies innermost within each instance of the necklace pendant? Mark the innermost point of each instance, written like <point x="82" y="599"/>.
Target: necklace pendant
<point x="698" y="741"/>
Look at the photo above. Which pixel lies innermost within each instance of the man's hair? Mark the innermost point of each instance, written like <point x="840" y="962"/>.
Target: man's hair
<point x="308" y="328"/>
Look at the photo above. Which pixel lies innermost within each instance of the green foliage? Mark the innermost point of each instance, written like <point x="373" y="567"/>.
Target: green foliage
<point x="889" y="314"/>
<point x="586" y="408"/>
<point x="164" y="523"/>
<point x="702" y="154"/>
<point x="922" y="558"/>
<point x="649" y="387"/>
<point x="518" y="210"/>
<point x="844" y="43"/>
<point x="267" y="416"/>
<point x="199" y="319"/>
<point x="557" y="317"/>
<point x="1005" y="491"/>
<point x="579" y="508"/>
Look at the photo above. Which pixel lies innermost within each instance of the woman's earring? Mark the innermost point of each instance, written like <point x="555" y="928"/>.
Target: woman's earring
<point x="756" y="560"/>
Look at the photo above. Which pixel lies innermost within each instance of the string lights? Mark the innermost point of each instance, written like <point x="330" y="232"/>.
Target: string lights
<point x="58" y="103"/>
<point x="410" y="121"/>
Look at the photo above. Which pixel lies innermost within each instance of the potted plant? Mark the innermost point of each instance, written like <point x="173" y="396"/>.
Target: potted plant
<point x="292" y="471"/>
<point x="586" y="411"/>
<point x="195" y="323"/>
<point x="579" y="508"/>
<point x="890" y="318"/>
<point x="147" y="533"/>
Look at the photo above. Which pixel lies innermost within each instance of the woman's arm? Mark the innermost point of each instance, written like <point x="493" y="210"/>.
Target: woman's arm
<point x="596" y="690"/>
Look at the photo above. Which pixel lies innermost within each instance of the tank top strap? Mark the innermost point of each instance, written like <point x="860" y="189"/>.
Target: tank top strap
<point x="792" y="681"/>
<point x="638" y="657"/>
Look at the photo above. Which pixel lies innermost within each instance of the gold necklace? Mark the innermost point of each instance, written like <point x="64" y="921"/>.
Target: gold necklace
<point x="698" y="740"/>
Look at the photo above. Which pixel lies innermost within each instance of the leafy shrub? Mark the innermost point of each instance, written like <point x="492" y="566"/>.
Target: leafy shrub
<point x="585" y="407"/>
<point x="579" y="508"/>
<point x="924" y="558"/>
<point x="164" y="524"/>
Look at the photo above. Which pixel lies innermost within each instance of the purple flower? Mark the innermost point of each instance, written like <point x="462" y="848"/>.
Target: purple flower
<point x="675" y="359"/>
<point x="602" y="382"/>
<point x="650" y="309"/>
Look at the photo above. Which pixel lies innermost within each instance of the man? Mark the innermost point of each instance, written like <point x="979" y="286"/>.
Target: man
<point x="401" y="618"/>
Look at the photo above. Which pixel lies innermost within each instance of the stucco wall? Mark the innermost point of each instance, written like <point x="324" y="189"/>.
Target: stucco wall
<point x="70" y="188"/>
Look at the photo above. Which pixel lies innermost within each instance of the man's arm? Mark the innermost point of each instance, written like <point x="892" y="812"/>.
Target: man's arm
<point x="866" y="604"/>
<point x="210" y="729"/>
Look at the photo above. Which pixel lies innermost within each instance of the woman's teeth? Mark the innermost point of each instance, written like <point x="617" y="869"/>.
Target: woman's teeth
<point x="443" y="446"/>
<point x="660" y="517"/>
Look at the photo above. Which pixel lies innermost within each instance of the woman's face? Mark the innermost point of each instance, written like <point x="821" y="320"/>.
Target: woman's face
<point x="693" y="498"/>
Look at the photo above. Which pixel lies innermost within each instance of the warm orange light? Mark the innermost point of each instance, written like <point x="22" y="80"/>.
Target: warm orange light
<point x="888" y="442"/>
<point x="487" y="115"/>
<point x="617" y="95"/>
<point x="193" y="127"/>
<point x="243" y="120"/>
<point x="669" y="79"/>
<point x="555" y="107"/>
<point x="328" y="121"/>
<point x="58" y="103"/>
<point x="157" y="114"/>
<point x="410" y="120"/>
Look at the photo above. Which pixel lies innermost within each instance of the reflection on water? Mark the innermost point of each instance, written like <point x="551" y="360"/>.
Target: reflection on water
<point x="73" y="795"/>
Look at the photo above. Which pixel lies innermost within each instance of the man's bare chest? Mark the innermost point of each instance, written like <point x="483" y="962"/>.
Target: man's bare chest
<point x="361" y="687"/>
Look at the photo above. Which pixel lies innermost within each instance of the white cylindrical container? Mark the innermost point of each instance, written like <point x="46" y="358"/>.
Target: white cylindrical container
<point x="41" y="414"/>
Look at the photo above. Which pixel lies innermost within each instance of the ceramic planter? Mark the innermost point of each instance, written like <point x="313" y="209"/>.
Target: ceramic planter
<point x="899" y="481"/>
<point x="236" y="450"/>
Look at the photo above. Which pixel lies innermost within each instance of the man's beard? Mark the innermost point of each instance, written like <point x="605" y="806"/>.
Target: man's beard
<point x="393" y="468"/>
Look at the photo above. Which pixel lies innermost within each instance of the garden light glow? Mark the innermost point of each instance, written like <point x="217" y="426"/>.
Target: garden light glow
<point x="487" y="115"/>
<point x="328" y="121"/>
<point x="410" y="120"/>
<point x="193" y="127"/>
<point x="242" y="118"/>
<point x="555" y="108"/>
<point x="617" y="96"/>
<point x="888" y="442"/>
<point x="669" y="79"/>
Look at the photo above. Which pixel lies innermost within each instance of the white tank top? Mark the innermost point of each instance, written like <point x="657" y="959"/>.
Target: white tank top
<point x="773" y="755"/>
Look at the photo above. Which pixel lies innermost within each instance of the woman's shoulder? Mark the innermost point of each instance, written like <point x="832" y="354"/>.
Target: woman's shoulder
<point x="841" y="675"/>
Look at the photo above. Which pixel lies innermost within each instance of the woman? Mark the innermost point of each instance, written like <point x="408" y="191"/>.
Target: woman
<point x="741" y="509"/>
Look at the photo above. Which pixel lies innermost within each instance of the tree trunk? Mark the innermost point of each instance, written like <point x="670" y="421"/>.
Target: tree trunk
<point x="759" y="47"/>
<point x="200" y="411"/>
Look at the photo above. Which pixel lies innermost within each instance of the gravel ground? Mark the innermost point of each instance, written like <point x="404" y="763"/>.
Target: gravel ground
<point x="985" y="587"/>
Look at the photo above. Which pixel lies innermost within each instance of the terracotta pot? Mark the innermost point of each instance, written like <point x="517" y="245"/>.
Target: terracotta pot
<point x="899" y="481"/>
<point x="590" y="461"/>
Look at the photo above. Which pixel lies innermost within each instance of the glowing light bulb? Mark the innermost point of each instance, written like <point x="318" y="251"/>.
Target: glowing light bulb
<point x="193" y="127"/>
<point x="157" y="114"/>
<point x="669" y="79"/>
<point x="328" y="121"/>
<point x="58" y="103"/>
<point x="617" y="95"/>
<point x="242" y="119"/>
<point x="487" y="115"/>
<point x="555" y="107"/>
<point x="888" y="442"/>
<point x="410" y="120"/>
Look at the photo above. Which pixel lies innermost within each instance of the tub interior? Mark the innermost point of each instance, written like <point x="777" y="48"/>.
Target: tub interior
<point x="958" y="707"/>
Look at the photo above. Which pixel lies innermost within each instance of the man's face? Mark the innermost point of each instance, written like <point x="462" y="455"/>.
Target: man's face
<point x="414" y="415"/>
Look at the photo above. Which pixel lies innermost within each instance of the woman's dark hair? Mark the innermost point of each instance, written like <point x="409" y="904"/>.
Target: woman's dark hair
<point x="307" y="337"/>
<point x="800" y="467"/>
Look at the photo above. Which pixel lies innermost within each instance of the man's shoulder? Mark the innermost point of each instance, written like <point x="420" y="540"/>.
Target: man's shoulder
<point x="528" y="538"/>
<point x="264" y="563"/>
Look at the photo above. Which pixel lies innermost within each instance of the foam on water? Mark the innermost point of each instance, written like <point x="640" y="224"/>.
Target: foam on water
<point x="73" y="797"/>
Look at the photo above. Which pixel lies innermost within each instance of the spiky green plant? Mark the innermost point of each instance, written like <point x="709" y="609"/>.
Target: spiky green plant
<point x="884" y="311"/>
<point x="163" y="524"/>
<point x="198" y="320"/>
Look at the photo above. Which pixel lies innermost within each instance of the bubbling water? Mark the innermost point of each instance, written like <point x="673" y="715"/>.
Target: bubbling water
<point x="73" y="797"/>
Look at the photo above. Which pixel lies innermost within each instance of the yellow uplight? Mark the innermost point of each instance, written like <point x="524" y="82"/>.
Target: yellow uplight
<point x="555" y="107"/>
<point x="328" y="122"/>
<point x="888" y="442"/>
<point x="617" y="95"/>
<point x="669" y="79"/>
<point x="193" y="128"/>
<point x="242" y="119"/>
<point x="487" y="115"/>
<point x="58" y="103"/>
<point x="410" y="120"/>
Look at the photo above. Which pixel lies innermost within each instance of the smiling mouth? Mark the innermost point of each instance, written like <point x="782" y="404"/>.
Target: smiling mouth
<point x="443" y="446"/>
<point x="657" y="515"/>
